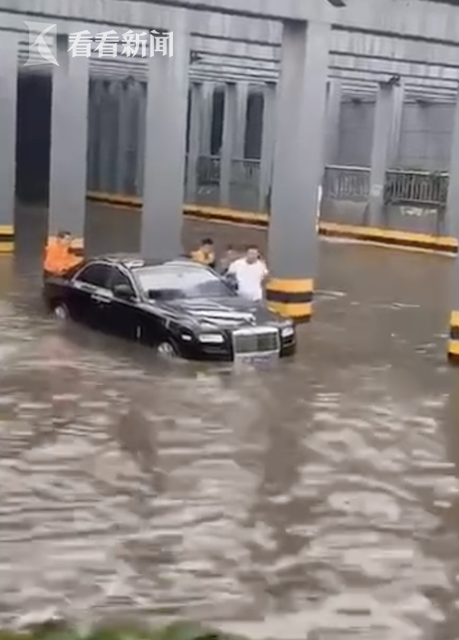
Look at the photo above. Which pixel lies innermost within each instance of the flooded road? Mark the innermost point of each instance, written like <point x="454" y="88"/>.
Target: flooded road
<point x="317" y="498"/>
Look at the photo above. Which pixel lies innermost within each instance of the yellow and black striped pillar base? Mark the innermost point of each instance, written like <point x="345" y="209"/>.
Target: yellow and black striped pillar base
<point x="453" y="343"/>
<point x="6" y="239"/>
<point x="291" y="298"/>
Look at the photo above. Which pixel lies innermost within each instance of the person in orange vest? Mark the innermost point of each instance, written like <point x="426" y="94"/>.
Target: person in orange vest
<point x="59" y="258"/>
<point x="206" y="253"/>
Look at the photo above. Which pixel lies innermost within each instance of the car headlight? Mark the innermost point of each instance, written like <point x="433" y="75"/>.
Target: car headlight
<point x="287" y="331"/>
<point x="211" y="338"/>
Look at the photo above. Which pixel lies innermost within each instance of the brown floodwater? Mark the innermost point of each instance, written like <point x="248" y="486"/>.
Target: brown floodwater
<point x="316" y="498"/>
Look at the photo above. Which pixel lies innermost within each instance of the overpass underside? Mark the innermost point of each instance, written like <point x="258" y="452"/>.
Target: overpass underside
<point x="245" y="109"/>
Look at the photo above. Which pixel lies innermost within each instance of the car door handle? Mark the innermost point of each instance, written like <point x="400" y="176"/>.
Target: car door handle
<point x="101" y="297"/>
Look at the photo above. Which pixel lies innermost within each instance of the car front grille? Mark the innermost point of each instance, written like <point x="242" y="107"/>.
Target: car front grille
<point x="256" y="341"/>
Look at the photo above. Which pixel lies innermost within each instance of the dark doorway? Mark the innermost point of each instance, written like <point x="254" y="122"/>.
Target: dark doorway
<point x="217" y="122"/>
<point x="254" y="126"/>
<point x="33" y="142"/>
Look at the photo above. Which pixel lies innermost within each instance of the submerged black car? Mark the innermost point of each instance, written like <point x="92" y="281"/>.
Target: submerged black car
<point x="178" y="307"/>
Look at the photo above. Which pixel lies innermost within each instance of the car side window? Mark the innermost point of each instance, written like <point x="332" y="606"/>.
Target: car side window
<point x="118" y="277"/>
<point x="97" y="275"/>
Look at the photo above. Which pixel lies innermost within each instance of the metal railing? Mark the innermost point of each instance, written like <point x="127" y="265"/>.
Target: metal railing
<point x="346" y="183"/>
<point x="246" y="172"/>
<point x="401" y="187"/>
<point x="208" y="170"/>
<point x="243" y="172"/>
<point x="416" y="187"/>
<point x="245" y="183"/>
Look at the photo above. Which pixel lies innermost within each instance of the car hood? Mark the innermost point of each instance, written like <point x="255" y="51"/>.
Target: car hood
<point x="222" y="313"/>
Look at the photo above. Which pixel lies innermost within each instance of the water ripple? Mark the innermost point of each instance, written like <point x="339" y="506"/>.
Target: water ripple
<point x="311" y="498"/>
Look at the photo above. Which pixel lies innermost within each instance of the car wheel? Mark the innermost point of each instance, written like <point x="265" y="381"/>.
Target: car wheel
<point x="167" y="350"/>
<point x="61" y="312"/>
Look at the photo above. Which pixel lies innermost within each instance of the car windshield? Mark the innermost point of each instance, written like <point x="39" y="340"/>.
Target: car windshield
<point x="169" y="282"/>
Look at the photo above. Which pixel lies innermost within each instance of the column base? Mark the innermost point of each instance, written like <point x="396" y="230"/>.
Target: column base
<point x="453" y="342"/>
<point x="291" y="298"/>
<point x="6" y="239"/>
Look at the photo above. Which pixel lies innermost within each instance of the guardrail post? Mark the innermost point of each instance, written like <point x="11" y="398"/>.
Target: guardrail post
<point x="196" y="107"/>
<point x="399" y="103"/>
<point x="227" y="151"/>
<point x="380" y="154"/>
<point x="242" y="97"/>
<point x="267" y="145"/>
<point x="207" y="117"/>
<point x="122" y="151"/>
<point x="334" y="96"/>
<point x="132" y="149"/>
<point x="93" y="135"/>
<point x="141" y="90"/>
<point x="108" y="135"/>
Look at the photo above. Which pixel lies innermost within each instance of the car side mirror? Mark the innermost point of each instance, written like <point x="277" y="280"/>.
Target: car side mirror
<point x="123" y="291"/>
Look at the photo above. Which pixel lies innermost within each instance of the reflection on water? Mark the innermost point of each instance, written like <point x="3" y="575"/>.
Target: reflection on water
<point x="315" y="497"/>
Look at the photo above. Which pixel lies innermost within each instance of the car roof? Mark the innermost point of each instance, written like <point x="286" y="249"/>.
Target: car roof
<point x="136" y="261"/>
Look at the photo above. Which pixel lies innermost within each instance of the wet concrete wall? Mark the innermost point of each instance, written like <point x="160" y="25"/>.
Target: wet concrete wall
<point x="403" y="218"/>
<point x="425" y="141"/>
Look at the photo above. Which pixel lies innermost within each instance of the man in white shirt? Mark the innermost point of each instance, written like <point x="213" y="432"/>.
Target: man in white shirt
<point x="250" y="273"/>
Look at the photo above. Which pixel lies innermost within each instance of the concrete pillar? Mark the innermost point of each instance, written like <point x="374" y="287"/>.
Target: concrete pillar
<point x="122" y="151"/>
<point x="95" y="135"/>
<point x="8" y="107"/>
<point x="267" y="145"/>
<point x="164" y="172"/>
<point x="334" y="95"/>
<point x="91" y="182"/>
<point x="109" y="132"/>
<point x="69" y="133"/>
<point x="207" y="117"/>
<point x="132" y="127"/>
<point x="242" y="98"/>
<point x="452" y="229"/>
<point x="298" y="167"/>
<point x="380" y="153"/>
<point x="105" y="118"/>
<point x="194" y="141"/>
<point x="141" y="91"/>
<point x="227" y="152"/>
<point x="399" y="102"/>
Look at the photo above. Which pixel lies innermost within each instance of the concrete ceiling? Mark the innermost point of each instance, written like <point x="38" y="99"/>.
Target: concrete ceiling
<point x="217" y="33"/>
<point x="218" y="71"/>
<point x="419" y="21"/>
<point x="355" y="57"/>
